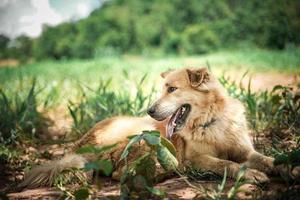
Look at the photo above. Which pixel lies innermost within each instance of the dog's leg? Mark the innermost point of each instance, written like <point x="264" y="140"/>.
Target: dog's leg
<point x="261" y="162"/>
<point x="216" y="165"/>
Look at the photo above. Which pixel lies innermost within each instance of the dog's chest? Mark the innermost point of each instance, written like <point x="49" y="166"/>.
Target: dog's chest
<point x="210" y="141"/>
<point x="216" y="149"/>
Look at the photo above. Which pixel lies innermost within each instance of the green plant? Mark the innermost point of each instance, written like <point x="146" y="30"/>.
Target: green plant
<point x="275" y="110"/>
<point x="72" y="176"/>
<point x="19" y="115"/>
<point x="199" y="39"/>
<point x="104" y="103"/>
<point x="7" y="155"/>
<point x="290" y="160"/>
<point x="139" y="175"/>
<point x="82" y="177"/>
<point x="220" y="194"/>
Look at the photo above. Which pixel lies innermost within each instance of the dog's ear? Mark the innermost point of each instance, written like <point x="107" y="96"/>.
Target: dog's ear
<point x="164" y="74"/>
<point x="198" y="78"/>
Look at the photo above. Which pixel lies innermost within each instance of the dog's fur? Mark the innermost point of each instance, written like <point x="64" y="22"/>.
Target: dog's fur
<point x="214" y="137"/>
<point x="225" y="141"/>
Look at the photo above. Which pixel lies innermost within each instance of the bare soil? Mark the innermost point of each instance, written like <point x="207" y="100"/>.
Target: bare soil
<point x="8" y="63"/>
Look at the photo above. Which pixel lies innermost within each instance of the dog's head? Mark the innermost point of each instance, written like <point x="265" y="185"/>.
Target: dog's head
<point x="186" y="93"/>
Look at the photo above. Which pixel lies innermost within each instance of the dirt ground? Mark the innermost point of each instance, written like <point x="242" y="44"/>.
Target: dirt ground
<point x="176" y="187"/>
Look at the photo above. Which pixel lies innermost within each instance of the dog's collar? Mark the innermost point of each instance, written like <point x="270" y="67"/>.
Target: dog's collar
<point x="207" y="124"/>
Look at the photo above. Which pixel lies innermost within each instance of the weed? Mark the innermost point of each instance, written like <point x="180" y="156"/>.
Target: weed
<point x="138" y="177"/>
<point x="19" y="115"/>
<point x="277" y="110"/>
<point x="220" y="193"/>
<point x="82" y="176"/>
<point x="104" y="103"/>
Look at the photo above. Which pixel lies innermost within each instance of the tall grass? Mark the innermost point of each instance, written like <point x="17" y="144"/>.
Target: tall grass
<point x="104" y="102"/>
<point x="91" y="70"/>
<point x="275" y="111"/>
<point x="20" y="120"/>
<point x="19" y="115"/>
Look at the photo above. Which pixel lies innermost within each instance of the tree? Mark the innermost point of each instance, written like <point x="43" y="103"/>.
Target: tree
<point x="4" y="40"/>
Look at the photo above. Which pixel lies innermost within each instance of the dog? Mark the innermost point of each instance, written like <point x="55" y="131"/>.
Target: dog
<point x="208" y="128"/>
<point x="212" y="125"/>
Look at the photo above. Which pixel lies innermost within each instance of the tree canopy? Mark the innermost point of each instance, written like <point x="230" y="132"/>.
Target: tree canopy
<point x="169" y="26"/>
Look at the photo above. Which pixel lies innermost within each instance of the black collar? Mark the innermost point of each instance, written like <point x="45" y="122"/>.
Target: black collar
<point x="207" y="124"/>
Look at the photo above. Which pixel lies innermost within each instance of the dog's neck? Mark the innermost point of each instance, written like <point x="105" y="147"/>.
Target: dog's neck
<point x="207" y="118"/>
<point x="209" y="115"/>
<point x="207" y="124"/>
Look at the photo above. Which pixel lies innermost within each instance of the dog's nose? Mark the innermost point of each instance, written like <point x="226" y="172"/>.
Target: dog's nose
<point x="151" y="110"/>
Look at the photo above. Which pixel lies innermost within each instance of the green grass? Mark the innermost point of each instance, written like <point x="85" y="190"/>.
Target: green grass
<point x="68" y="75"/>
<point x="101" y="103"/>
<point x="93" y="70"/>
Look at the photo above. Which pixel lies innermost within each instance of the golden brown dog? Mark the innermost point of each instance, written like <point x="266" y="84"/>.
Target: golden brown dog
<point x="210" y="127"/>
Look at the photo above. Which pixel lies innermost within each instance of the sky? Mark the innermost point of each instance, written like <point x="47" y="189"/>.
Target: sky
<point x="27" y="16"/>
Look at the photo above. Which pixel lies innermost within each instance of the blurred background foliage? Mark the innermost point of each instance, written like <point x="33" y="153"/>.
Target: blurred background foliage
<point x="166" y="27"/>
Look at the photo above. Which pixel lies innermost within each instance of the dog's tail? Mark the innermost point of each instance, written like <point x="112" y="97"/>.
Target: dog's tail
<point x="43" y="175"/>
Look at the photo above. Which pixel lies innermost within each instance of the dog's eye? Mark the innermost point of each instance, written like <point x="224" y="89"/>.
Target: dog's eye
<point x="171" y="89"/>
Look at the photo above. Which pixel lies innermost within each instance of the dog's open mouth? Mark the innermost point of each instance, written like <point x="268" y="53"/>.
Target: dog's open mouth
<point x="178" y="120"/>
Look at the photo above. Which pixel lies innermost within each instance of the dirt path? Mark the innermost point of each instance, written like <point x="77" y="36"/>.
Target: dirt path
<point x="264" y="81"/>
<point x="175" y="188"/>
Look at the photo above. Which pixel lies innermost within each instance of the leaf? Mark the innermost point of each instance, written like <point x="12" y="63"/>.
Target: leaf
<point x="281" y="159"/>
<point x="277" y="87"/>
<point x="142" y="79"/>
<point x="133" y="139"/>
<point x="105" y="148"/>
<point x="166" y="159"/>
<point x="155" y="133"/>
<point x="139" y="182"/>
<point x="275" y="99"/>
<point x="95" y="150"/>
<point x="124" y="192"/>
<point x="152" y="138"/>
<point x="86" y="149"/>
<point x="81" y="194"/>
<point x="294" y="157"/>
<point x="222" y="185"/>
<point x="145" y="166"/>
<point x="240" y="173"/>
<point x="73" y="114"/>
<point x="155" y="191"/>
<point x="92" y="166"/>
<point x="104" y="166"/>
<point x="166" y="143"/>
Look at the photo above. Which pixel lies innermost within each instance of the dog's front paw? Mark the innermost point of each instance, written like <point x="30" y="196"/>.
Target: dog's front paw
<point x="257" y="176"/>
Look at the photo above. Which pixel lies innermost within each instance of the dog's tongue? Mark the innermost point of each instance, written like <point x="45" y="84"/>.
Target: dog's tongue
<point x="170" y="129"/>
<point x="171" y="125"/>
